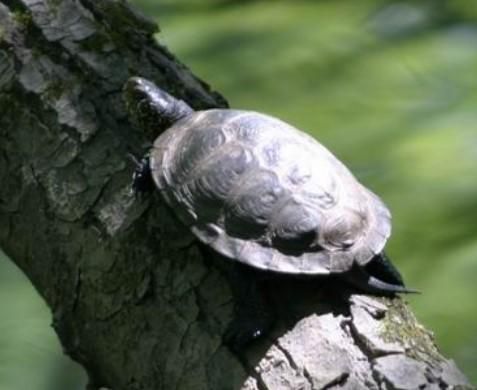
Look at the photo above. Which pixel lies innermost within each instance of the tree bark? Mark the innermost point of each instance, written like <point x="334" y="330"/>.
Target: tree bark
<point x="133" y="299"/>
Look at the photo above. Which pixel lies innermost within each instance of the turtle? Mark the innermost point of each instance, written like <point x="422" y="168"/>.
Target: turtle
<point x="259" y="192"/>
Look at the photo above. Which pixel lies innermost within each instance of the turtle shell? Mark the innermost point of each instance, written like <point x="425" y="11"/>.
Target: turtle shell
<point x="259" y="191"/>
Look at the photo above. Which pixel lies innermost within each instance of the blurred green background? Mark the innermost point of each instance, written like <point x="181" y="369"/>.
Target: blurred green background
<point x="390" y="87"/>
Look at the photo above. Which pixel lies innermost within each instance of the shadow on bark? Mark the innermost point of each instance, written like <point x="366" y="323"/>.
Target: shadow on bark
<point x="132" y="298"/>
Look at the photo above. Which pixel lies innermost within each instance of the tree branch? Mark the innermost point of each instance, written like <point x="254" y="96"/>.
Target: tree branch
<point x="133" y="298"/>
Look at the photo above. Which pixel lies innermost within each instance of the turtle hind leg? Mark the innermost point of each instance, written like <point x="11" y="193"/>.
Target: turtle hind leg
<point x="253" y="313"/>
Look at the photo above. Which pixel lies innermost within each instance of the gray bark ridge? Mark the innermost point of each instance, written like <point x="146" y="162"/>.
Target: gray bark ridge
<point x="133" y="299"/>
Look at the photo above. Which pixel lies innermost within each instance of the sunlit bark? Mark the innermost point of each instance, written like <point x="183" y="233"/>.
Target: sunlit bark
<point x="133" y="299"/>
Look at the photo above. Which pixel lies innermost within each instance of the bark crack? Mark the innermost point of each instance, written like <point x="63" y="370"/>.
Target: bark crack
<point x="63" y="139"/>
<point x="363" y="344"/>
<point x="299" y="370"/>
<point x="340" y="381"/>
<point x="287" y="355"/>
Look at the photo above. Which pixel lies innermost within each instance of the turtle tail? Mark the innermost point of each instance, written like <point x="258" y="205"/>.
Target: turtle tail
<point x="379" y="277"/>
<point x="152" y="107"/>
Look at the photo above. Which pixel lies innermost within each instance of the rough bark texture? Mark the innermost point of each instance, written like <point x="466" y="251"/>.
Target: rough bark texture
<point x="133" y="298"/>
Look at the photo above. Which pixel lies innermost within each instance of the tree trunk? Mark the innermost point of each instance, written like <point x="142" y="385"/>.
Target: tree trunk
<point x="133" y="298"/>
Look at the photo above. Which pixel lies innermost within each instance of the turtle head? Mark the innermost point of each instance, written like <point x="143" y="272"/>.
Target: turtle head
<point x="151" y="107"/>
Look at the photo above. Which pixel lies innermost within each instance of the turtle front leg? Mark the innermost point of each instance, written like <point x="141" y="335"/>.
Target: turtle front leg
<point x="254" y="315"/>
<point x="142" y="177"/>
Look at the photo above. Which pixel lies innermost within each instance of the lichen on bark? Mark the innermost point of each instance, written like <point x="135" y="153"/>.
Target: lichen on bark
<point x="133" y="298"/>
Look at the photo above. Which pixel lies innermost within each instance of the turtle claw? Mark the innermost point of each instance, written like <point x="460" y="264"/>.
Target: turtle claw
<point x="254" y="315"/>
<point x="242" y="332"/>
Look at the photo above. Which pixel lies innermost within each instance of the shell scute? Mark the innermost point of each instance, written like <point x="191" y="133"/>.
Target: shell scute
<point x="249" y="207"/>
<point x="261" y="192"/>
<point x="213" y="180"/>
<point x="195" y="147"/>
<point x="295" y="225"/>
<point x="252" y="127"/>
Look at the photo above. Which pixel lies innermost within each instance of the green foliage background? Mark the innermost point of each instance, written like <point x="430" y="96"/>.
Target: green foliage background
<point x="389" y="87"/>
